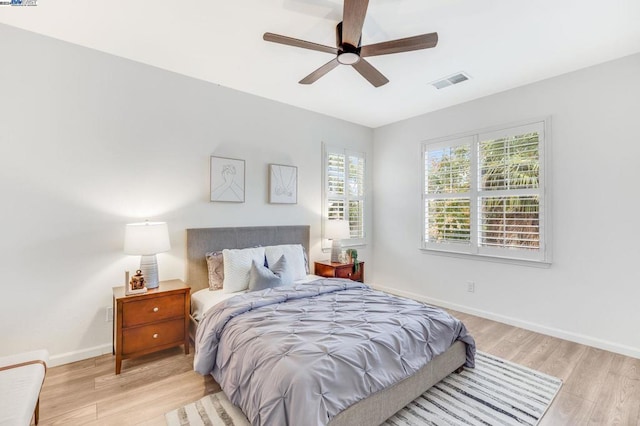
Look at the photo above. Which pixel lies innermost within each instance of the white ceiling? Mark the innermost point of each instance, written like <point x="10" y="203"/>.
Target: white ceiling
<point x="501" y="44"/>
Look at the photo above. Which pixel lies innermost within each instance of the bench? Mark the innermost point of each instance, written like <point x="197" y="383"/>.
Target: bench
<point x="21" y="379"/>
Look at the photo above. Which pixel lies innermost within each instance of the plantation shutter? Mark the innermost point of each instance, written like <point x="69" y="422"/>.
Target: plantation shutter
<point x="447" y="197"/>
<point x="355" y="197"/>
<point x="335" y="172"/>
<point x="345" y="190"/>
<point x="484" y="194"/>
<point x="509" y="192"/>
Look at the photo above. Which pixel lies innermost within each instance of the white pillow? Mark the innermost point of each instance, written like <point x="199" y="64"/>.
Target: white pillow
<point x="295" y="258"/>
<point x="237" y="264"/>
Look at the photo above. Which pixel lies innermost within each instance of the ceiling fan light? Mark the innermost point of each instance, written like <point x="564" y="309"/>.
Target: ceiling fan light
<point x="348" y="58"/>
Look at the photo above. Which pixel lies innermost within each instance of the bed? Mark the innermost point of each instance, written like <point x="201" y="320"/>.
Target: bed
<point x="379" y="401"/>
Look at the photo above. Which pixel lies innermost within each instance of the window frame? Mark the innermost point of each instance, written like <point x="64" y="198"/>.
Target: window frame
<point x="473" y="250"/>
<point x="326" y="196"/>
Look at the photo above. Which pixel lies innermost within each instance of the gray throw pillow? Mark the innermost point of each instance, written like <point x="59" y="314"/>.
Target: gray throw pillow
<point x="261" y="278"/>
<point x="282" y="268"/>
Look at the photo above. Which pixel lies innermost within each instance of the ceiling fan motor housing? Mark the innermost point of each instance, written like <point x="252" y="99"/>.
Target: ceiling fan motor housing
<point x="348" y="54"/>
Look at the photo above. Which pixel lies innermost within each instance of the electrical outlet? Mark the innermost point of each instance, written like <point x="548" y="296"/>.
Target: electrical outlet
<point x="471" y="286"/>
<point x="109" y="314"/>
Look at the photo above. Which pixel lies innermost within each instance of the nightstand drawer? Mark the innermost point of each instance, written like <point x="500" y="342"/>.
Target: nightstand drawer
<point x="348" y="273"/>
<point x="154" y="309"/>
<point x="149" y="336"/>
<point x="344" y="272"/>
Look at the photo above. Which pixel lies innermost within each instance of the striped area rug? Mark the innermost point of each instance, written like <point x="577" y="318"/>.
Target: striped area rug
<point x="496" y="392"/>
<point x="212" y="410"/>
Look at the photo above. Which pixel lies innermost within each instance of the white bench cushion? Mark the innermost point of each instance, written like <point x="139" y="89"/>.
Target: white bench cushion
<point x="20" y="387"/>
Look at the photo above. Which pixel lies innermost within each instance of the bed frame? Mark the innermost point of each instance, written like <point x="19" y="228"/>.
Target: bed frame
<point x="376" y="408"/>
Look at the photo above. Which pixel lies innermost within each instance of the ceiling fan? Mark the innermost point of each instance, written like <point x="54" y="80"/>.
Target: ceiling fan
<point x="349" y="50"/>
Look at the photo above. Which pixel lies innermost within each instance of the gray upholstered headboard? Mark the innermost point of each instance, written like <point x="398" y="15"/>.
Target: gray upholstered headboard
<point x="203" y="240"/>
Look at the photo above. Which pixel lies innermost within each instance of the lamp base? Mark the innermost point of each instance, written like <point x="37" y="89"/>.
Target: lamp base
<point x="336" y="250"/>
<point x="149" y="268"/>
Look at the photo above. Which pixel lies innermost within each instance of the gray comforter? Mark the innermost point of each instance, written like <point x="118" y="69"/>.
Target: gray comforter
<point x="300" y="355"/>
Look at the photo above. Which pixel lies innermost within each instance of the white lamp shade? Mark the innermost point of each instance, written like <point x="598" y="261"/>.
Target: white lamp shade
<point x="146" y="238"/>
<point x="336" y="230"/>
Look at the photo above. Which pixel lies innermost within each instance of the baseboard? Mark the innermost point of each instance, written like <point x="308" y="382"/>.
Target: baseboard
<point x="549" y="331"/>
<point x="80" y="355"/>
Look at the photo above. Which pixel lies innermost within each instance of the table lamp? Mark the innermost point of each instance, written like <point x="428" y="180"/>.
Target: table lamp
<point x="147" y="239"/>
<point x="336" y="230"/>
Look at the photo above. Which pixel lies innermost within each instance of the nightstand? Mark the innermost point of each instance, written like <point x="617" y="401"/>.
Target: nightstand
<point x="150" y="322"/>
<point x="339" y="270"/>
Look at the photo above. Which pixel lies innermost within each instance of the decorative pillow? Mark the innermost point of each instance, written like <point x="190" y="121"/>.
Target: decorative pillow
<point x="295" y="257"/>
<point x="261" y="278"/>
<point x="215" y="265"/>
<point x="306" y="261"/>
<point x="282" y="269"/>
<point x="237" y="264"/>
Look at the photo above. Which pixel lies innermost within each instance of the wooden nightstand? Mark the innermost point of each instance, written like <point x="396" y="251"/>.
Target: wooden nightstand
<point x="339" y="270"/>
<point x="150" y="322"/>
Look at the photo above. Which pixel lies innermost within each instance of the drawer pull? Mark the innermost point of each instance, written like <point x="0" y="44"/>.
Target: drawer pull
<point x="155" y="336"/>
<point x="155" y="309"/>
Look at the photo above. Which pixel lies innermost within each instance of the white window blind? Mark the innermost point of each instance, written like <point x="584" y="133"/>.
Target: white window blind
<point x="447" y="194"/>
<point x="345" y="190"/>
<point x="484" y="194"/>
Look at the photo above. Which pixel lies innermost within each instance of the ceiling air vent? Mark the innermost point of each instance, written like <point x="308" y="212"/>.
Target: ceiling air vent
<point x="451" y="80"/>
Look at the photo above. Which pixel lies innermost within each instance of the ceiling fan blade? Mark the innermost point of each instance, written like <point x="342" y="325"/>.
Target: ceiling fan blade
<point x="353" y="20"/>
<point x="314" y="76"/>
<point x="368" y="71"/>
<point x="290" y="41"/>
<point x="424" y="41"/>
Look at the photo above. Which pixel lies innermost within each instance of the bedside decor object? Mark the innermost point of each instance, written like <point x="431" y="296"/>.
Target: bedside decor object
<point x="336" y="230"/>
<point x="227" y="180"/>
<point x="137" y="281"/>
<point x="135" y="285"/>
<point x="283" y="184"/>
<point x="352" y="255"/>
<point x="147" y="239"/>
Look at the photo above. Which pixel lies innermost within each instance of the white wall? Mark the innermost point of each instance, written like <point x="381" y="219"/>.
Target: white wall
<point x="591" y="292"/>
<point x="90" y="142"/>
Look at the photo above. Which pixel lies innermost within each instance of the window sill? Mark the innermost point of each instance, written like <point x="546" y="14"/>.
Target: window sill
<point x="327" y="249"/>
<point x="486" y="258"/>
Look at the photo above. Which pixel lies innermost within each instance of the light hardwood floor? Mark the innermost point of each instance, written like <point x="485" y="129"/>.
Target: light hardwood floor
<point x="600" y="387"/>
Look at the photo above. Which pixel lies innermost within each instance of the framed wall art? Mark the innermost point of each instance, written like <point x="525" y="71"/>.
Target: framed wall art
<point x="283" y="184"/>
<point x="227" y="180"/>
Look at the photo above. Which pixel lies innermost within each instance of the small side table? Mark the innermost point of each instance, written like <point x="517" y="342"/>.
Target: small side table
<point x="150" y="322"/>
<point x="329" y="269"/>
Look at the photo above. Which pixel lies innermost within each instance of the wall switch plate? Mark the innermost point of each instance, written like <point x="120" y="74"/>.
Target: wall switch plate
<point x="471" y="286"/>
<point x="109" y="314"/>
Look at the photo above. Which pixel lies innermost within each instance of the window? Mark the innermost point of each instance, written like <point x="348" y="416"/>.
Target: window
<point x="484" y="194"/>
<point x="344" y="191"/>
